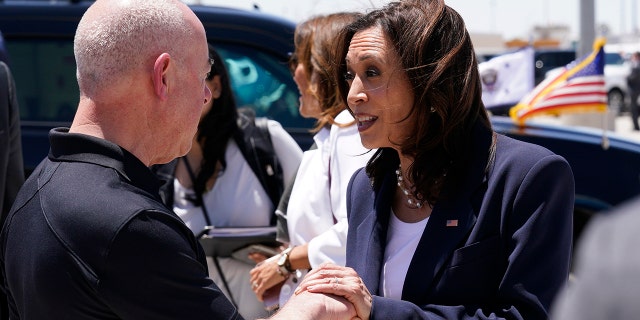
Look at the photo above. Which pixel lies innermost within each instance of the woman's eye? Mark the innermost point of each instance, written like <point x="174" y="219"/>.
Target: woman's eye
<point x="348" y="76"/>
<point x="372" y="73"/>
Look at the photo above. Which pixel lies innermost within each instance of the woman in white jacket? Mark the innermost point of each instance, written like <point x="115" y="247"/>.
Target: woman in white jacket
<point x="316" y="213"/>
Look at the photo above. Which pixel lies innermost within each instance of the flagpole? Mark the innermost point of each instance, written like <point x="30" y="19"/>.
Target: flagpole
<point x="578" y="88"/>
<point x="605" y="128"/>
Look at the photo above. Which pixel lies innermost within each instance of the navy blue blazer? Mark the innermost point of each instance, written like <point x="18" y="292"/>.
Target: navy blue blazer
<point x="507" y="257"/>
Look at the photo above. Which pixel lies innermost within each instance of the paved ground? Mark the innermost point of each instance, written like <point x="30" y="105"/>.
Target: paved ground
<point x="624" y="127"/>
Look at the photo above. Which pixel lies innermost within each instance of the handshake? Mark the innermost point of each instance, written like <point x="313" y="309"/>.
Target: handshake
<point x="328" y="292"/>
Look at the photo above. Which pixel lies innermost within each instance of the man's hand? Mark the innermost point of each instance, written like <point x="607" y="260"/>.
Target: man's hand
<point x="316" y="306"/>
<point x="339" y="281"/>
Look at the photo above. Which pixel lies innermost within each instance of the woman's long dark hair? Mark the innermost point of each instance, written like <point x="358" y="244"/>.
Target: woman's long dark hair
<point x="435" y="51"/>
<point x="218" y="126"/>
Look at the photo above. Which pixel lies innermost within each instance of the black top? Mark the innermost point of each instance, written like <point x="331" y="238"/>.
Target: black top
<point x="88" y="238"/>
<point x="11" y="168"/>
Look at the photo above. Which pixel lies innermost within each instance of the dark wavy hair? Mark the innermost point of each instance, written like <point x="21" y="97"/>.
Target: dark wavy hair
<point x="218" y="126"/>
<point x="436" y="53"/>
<point x="314" y="41"/>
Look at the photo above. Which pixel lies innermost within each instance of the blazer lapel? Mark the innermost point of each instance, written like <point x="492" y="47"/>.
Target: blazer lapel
<point x="374" y="248"/>
<point x="447" y="228"/>
<point x="449" y="224"/>
<point x="375" y="227"/>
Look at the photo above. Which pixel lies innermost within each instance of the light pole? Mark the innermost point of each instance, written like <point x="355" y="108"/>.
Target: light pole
<point x="587" y="27"/>
<point x="492" y="5"/>
<point x="634" y="18"/>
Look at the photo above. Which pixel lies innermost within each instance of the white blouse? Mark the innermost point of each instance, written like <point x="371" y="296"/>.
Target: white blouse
<point x="237" y="198"/>
<point x="402" y="241"/>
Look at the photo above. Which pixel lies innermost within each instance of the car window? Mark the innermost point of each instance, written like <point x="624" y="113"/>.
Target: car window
<point x="264" y="83"/>
<point x="47" y="86"/>
<point x="547" y="60"/>
<point x="554" y="59"/>
<point x="48" y="90"/>
<point x="612" y="58"/>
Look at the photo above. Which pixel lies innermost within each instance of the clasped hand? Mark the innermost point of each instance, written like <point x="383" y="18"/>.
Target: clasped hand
<point x="340" y="281"/>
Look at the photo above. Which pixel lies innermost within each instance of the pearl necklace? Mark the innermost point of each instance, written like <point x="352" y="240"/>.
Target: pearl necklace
<point x="413" y="203"/>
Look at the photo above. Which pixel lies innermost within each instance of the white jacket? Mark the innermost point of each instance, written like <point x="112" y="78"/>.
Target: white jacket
<point x="317" y="211"/>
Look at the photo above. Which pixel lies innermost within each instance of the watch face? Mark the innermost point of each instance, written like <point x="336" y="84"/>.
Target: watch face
<point x="282" y="260"/>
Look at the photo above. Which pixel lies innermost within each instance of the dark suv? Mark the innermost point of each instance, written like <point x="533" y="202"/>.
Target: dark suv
<point x="255" y="47"/>
<point x="39" y="38"/>
<point x="545" y="60"/>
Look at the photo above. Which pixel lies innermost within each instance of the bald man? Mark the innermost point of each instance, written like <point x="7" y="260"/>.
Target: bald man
<point x="88" y="237"/>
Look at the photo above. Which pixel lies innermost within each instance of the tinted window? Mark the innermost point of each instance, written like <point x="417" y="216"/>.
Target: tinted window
<point x="46" y="80"/>
<point x="613" y="58"/>
<point x="264" y="83"/>
<point x="555" y="59"/>
<point x="545" y="61"/>
<point x="48" y="90"/>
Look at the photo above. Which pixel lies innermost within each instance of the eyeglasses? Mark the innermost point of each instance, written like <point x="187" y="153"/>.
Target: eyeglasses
<point x="214" y="71"/>
<point x="293" y="62"/>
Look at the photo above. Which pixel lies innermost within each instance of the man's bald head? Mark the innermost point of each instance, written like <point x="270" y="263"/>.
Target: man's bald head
<point x="116" y="37"/>
<point x="141" y="71"/>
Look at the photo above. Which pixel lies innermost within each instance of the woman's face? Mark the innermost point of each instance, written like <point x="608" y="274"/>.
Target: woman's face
<point x="380" y="93"/>
<point x="309" y="105"/>
<point x="215" y="86"/>
<point x="208" y="105"/>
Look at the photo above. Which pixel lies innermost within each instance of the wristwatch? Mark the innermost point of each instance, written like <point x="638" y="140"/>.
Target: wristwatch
<point x="284" y="266"/>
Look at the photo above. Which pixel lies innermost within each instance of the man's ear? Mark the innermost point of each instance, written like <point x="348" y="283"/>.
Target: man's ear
<point x="216" y="87"/>
<point x="160" y="75"/>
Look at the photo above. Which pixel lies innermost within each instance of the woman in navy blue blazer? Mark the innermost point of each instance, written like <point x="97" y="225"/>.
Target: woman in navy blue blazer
<point x="448" y="220"/>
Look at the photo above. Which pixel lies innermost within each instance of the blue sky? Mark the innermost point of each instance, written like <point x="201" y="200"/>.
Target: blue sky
<point x="511" y="18"/>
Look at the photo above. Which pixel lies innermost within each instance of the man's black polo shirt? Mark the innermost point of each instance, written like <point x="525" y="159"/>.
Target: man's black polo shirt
<point x="88" y="238"/>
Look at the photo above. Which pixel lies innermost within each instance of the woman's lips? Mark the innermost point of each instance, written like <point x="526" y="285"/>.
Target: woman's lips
<point x="364" y="122"/>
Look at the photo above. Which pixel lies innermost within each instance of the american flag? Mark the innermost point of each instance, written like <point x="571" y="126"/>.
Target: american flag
<point x="579" y="87"/>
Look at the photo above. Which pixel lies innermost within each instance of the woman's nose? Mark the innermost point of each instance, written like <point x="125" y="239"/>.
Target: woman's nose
<point x="356" y="93"/>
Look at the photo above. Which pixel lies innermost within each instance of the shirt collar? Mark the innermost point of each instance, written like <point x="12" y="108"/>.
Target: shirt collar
<point x="75" y="147"/>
